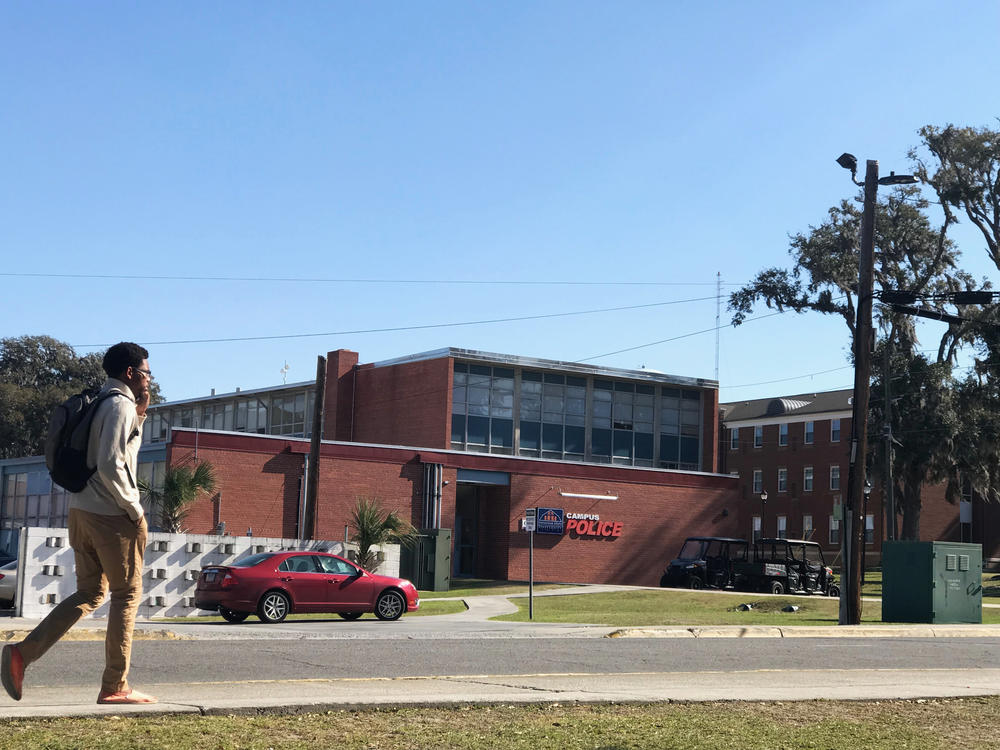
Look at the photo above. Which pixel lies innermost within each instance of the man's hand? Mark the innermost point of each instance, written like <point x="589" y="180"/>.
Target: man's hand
<point x="142" y="403"/>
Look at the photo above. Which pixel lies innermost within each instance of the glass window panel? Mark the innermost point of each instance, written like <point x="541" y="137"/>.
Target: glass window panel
<point x="300" y="407"/>
<point x="506" y="400"/>
<point x="643" y="446"/>
<point x="604" y="385"/>
<point x="691" y="395"/>
<point x="457" y="428"/>
<point x="531" y="407"/>
<point x="671" y="393"/>
<point x="600" y="442"/>
<point x="498" y="411"/>
<point x="531" y="435"/>
<point x="669" y="448"/>
<point x="576" y="406"/>
<point x="534" y="377"/>
<point x="670" y="422"/>
<point x="575" y="419"/>
<point x="626" y="387"/>
<point x="623" y="412"/>
<point x="552" y="437"/>
<point x="479" y="370"/>
<point x="602" y="408"/>
<point x="623" y="444"/>
<point x="575" y="439"/>
<point x="646" y="389"/>
<point x="575" y="381"/>
<point x="479" y="396"/>
<point x="461" y="367"/>
<point x="478" y="427"/>
<point x="503" y="372"/>
<point x="503" y="384"/>
<point x="553" y="378"/>
<point x="502" y="433"/>
<point x="460" y="377"/>
<point x="689" y="450"/>
<point x="553" y="404"/>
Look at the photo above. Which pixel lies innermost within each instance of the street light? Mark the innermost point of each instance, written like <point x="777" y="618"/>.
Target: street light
<point x="852" y="534"/>
<point x="763" y="499"/>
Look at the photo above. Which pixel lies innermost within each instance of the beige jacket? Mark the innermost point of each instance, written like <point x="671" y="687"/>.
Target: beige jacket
<point x="115" y="437"/>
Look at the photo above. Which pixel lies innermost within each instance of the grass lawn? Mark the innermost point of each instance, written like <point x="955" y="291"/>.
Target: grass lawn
<point x="850" y="725"/>
<point x="482" y="586"/>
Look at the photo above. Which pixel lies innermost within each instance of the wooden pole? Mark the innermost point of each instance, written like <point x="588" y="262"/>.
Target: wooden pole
<point x="312" y="473"/>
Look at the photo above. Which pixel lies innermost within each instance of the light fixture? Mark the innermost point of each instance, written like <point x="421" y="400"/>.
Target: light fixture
<point x="582" y="496"/>
<point x="763" y="496"/>
<point x="849" y="161"/>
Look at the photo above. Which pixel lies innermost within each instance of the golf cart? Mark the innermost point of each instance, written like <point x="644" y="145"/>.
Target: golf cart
<point x="705" y="561"/>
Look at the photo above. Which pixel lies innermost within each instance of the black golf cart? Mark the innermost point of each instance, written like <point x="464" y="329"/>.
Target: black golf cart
<point x="781" y="566"/>
<point x="705" y="561"/>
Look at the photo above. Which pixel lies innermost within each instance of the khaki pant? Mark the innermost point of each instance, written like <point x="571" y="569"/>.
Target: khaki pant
<point x="109" y="553"/>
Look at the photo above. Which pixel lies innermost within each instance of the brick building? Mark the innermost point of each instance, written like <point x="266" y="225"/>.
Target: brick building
<point x="796" y="449"/>
<point x="455" y="439"/>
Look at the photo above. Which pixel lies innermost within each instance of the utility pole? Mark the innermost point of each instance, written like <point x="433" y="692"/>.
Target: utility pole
<point x="312" y="471"/>
<point x="852" y="535"/>
<point x="888" y="490"/>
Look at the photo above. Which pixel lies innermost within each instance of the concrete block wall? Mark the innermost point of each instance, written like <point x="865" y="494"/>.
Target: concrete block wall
<point x="46" y="573"/>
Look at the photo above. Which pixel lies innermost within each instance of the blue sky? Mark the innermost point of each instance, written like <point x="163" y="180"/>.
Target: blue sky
<point x="635" y="149"/>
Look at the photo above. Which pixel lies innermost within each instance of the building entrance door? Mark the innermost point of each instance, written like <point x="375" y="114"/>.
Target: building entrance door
<point x="466" y="531"/>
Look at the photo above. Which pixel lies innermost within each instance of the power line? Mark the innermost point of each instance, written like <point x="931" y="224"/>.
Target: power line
<point x="403" y="328"/>
<point x="301" y="280"/>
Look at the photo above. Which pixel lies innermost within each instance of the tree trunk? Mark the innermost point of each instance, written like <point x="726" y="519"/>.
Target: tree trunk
<point x="911" y="510"/>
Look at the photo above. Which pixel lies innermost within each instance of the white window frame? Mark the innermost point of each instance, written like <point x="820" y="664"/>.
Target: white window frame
<point x="782" y="479"/>
<point x="834" y="530"/>
<point x="758" y="481"/>
<point x="807" y="528"/>
<point x="782" y="527"/>
<point x="783" y="434"/>
<point x="756" y="529"/>
<point x="835" y="475"/>
<point x="869" y="529"/>
<point x="809" y="433"/>
<point x="734" y="438"/>
<point x="832" y="438"/>
<point x="758" y="436"/>
<point x="807" y="479"/>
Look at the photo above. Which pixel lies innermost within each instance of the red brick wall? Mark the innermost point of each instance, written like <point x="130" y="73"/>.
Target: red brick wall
<point x="404" y="404"/>
<point x="655" y="521"/>
<point x="338" y="404"/>
<point x="259" y="480"/>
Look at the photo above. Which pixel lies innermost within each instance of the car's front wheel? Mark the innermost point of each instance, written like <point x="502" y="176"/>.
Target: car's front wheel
<point x="350" y="615"/>
<point x="834" y="590"/>
<point x="777" y="587"/>
<point x="273" y="607"/>
<point x="695" y="582"/>
<point x="229" y="616"/>
<point x="389" y="605"/>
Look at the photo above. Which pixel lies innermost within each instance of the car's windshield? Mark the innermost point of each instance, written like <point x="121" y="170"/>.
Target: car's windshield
<point x="249" y="562"/>
<point x="692" y="550"/>
<point x="813" y="554"/>
<point x="713" y="548"/>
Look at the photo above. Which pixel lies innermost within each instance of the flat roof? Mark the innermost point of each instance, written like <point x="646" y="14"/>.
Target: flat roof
<point x="536" y="363"/>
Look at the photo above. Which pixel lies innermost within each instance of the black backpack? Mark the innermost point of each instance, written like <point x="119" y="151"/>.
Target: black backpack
<point x="67" y="438"/>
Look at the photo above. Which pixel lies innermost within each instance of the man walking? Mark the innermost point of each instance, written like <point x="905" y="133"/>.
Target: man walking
<point x="107" y="531"/>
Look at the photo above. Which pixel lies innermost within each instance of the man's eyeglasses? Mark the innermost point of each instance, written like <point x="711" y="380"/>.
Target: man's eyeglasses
<point x="147" y="373"/>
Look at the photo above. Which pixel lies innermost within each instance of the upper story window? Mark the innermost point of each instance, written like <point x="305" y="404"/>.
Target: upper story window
<point x="734" y="438"/>
<point x="782" y="480"/>
<point x="834" y="477"/>
<point x="810" y="427"/>
<point x="680" y="429"/>
<point x="758" y="436"/>
<point x="834" y="430"/>
<point x="482" y="409"/>
<point x="758" y="481"/>
<point x="807" y="479"/>
<point x="783" y="434"/>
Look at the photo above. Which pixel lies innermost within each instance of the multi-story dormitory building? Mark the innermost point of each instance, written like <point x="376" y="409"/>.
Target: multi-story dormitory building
<point x="796" y="449"/>
<point x="455" y="439"/>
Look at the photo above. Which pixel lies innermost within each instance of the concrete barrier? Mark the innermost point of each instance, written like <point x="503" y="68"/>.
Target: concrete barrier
<point x="170" y="572"/>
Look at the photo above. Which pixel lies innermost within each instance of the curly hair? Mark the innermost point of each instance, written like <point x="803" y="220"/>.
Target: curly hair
<point x="121" y="356"/>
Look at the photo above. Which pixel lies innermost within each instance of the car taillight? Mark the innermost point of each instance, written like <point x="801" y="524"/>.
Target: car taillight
<point x="1" y="575"/>
<point x="228" y="581"/>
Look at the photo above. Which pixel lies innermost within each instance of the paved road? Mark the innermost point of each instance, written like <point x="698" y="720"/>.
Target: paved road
<point x="466" y="658"/>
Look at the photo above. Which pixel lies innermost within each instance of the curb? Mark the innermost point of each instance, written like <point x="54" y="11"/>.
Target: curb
<point x="807" y="631"/>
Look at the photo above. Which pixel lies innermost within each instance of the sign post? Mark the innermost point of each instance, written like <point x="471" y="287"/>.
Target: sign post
<point x="529" y="526"/>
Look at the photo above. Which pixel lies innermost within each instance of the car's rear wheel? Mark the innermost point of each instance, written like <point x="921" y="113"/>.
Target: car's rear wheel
<point x="350" y="615"/>
<point x="777" y="587"/>
<point x="695" y="582"/>
<point x="389" y="605"/>
<point x="834" y="590"/>
<point x="230" y="616"/>
<point x="273" y="607"/>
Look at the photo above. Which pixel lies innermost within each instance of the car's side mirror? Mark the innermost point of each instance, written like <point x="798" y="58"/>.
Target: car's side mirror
<point x="357" y="573"/>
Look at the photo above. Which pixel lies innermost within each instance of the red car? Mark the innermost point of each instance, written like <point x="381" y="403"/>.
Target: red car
<point x="274" y="584"/>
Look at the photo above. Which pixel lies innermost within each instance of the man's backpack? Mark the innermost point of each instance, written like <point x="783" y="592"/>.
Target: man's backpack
<point x="67" y="438"/>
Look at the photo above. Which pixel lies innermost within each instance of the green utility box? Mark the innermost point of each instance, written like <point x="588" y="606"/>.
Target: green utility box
<point x="427" y="564"/>
<point x="934" y="582"/>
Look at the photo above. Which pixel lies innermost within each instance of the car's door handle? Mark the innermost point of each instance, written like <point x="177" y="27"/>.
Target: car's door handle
<point x="286" y="578"/>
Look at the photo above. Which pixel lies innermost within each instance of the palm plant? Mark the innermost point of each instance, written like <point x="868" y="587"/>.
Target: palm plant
<point x="181" y="487"/>
<point x="373" y="527"/>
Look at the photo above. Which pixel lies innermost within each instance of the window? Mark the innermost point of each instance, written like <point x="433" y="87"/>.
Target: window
<point x="809" y="433"/>
<point x="807" y="527"/>
<point x="834" y="530"/>
<point x="482" y="411"/>
<point x="680" y="428"/>
<point x="758" y="436"/>
<point x="758" y="481"/>
<point x="782" y="527"/>
<point x="782" y="480"/>
<point x="834" y="430"/>
<point x="869" y="529"/>
<point x="834" y="477"/>
<point x="756" y="529"/>
<point x="30" y="498"/>
<point x="807" y="479"/>
<point x="782" y="434"/>
<point x="288" y="415"/>
<point x="734" y="439"/>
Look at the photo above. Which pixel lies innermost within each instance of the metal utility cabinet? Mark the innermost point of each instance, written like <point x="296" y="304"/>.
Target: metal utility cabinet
<point x="933" y="582"/>
<point x="427" y="564"/>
